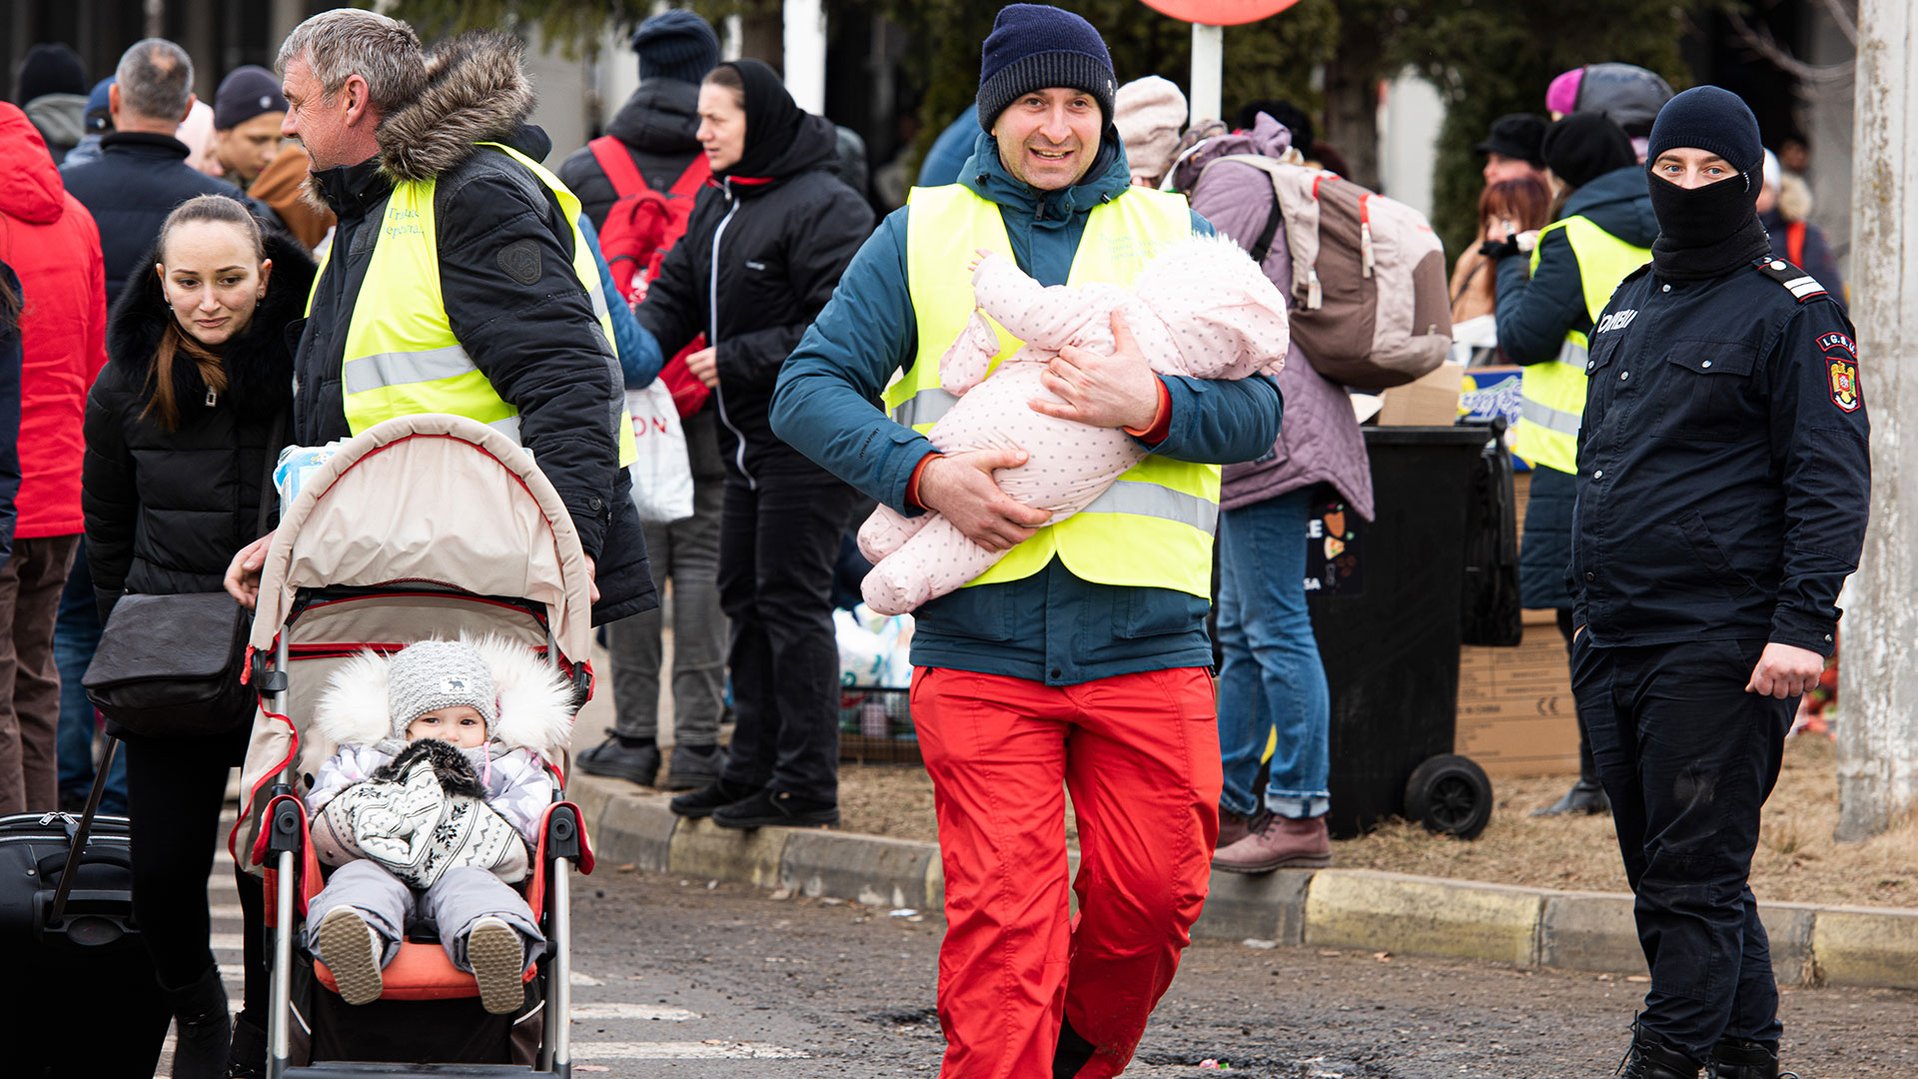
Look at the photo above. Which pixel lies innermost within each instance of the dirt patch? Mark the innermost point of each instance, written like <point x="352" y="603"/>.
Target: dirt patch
<point x="1797" y="859"/>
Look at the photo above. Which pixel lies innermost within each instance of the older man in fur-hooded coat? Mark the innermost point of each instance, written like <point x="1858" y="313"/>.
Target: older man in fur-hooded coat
<point x="396" y="125"/>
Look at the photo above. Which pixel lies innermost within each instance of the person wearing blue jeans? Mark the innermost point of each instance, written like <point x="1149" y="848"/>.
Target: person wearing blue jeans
<point x="1271" y="679"/>
<point x="76" y="633"/>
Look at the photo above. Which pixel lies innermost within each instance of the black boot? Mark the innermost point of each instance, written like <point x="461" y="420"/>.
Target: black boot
<point x="201" y="1028"/>
<point x="247" y="1058"/>
<point x="702" y="802"/>
<point x="1650" y="1058"/>
<point x="1586" y="796"/>
<point x="1072" y="1053"/>
<point x="1737" y="1058"/>
<point x="694" y="767"/>
<point x="633" y="759"/>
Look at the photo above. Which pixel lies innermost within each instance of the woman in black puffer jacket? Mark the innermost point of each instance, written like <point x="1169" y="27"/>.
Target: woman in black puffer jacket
<point x="180" y="427"/>
<point x="759" y="259"/>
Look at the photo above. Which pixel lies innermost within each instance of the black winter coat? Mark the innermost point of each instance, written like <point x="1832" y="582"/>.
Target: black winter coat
<point x="760" y="258"/>
<point x="130" y="189"/>
<point x="166" y="510"/>
<point x="526" y="323"/>
<point x="659" y="125"/>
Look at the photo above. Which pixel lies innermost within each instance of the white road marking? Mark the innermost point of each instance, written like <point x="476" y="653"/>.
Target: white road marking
<point x="632" y="1011"/>
<point x="583" y="979"/>
<point x="227" y="942"/>
<point x="707" y="1050"/>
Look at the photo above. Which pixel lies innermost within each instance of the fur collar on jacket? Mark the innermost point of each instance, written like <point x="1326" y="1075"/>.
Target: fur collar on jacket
<point x="475" y="91"/>
<point x="535" y="702"/>
<point x="259" y="365"/>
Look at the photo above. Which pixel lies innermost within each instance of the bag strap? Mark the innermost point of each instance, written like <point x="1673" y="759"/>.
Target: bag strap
<point x="1271" y="230"/>
<point x="77" y="840"/>
<point x="617" y="164"/>
<point x="266" y="481"/>
<point x="698" y="171"/>
<point x="1795" y="243"/>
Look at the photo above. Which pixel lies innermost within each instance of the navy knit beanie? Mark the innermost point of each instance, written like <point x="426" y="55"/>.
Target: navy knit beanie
<point x="676" y="44"/>
<point x="51" y="69"/>
<point x="1711" y="119"/>
<point x="1033" y="47"/>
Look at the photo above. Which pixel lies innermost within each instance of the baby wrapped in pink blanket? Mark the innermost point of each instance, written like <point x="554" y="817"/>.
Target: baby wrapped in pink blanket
<point x="1201" y="308"/>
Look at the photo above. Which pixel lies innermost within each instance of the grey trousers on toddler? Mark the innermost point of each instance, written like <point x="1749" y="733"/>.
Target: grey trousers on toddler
<point x="454" y="902"/>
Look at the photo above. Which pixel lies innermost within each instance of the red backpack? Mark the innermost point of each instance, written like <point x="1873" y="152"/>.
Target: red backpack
<point x="640" y="228"/>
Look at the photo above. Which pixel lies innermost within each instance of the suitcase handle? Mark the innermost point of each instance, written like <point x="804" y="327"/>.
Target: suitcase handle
<point x="66" y="863"/>
<point x="77" y="841"/>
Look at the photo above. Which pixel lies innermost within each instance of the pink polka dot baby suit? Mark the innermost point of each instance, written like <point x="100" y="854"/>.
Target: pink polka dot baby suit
<point x="1201" y="308"/>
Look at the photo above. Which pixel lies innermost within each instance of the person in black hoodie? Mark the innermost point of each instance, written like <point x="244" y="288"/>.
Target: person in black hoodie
<point x="180" y="429"/>
<point x="760" y="258"/>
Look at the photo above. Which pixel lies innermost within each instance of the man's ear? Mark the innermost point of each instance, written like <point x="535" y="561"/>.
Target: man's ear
<point x="190" y="99"/>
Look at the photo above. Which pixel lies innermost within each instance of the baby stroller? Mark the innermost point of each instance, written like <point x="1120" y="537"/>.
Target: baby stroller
<point x="424" y="526"/>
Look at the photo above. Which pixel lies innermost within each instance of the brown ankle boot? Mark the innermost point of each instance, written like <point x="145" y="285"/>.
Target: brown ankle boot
<point x="1278" y="842"/>
<point x="1234" y="827"/>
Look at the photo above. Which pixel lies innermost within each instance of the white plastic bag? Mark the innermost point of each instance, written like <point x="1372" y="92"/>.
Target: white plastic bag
<point x="662" y="476"/>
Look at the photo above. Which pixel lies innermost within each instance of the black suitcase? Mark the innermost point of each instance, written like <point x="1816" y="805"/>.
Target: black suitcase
<point x="77" y="992"/>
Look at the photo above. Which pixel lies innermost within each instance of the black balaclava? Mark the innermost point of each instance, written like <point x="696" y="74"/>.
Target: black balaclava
<point x="773" y="120"/>
<point x="1712" y="230"/>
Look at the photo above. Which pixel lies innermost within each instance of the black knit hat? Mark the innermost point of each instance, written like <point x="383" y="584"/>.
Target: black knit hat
<point x="1520" y="135"/>
<point x="1033" y="47"/>
<point x="1711" y="119"/>
<point x="676" y="44"/>
<point x="51" y="69"/>
<point x="1586" y="145"/>
<point x="246" y="92"/>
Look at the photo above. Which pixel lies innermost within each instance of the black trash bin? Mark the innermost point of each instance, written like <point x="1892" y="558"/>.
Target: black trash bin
<point x="1385" y="599"/>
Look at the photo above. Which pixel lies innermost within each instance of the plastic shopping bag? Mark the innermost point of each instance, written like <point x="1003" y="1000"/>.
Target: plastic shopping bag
<point x="662" y="476"/>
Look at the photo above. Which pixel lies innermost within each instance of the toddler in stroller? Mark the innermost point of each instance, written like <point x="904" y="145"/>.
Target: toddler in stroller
<point x="430" y="807"/>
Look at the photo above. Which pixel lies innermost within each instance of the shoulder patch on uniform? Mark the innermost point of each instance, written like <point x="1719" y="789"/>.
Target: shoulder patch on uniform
<point x="1803" y="286"/>
<point x="1842" y="375"/>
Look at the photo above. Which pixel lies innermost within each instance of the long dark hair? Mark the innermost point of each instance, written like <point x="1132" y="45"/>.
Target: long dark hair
<point x="175" y="341"/>
<point x="9" y="305"/>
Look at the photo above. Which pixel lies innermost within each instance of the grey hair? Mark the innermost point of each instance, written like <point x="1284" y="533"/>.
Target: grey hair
<point x="345" y="42"/>
<point x="155" y="77"/>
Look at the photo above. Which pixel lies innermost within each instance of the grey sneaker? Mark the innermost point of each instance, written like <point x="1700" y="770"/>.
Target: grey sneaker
<point x="498" y="959"/>
<point x="353" y="952"/>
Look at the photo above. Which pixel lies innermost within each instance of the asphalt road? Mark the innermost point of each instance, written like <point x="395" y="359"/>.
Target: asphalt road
<point x="679" y="978"/>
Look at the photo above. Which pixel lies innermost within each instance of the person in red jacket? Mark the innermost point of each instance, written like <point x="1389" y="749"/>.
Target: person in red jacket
<point x="51" y="242"/>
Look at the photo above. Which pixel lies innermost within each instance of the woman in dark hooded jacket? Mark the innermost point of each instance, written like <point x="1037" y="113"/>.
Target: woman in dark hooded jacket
<point x="180" y="428"/>
<point x="760" y="258"/>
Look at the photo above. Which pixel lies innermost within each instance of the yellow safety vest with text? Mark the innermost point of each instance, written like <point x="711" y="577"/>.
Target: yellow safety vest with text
<point x="1553" y="393"/>
<point x="1153" y="528"/>
<point x="402" y="357"/>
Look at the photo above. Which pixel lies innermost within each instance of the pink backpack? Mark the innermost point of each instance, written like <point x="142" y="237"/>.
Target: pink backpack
<point x="1370" y="305"/>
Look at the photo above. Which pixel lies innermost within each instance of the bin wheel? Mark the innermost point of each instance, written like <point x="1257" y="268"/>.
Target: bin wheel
<point x="1451" y="795"/>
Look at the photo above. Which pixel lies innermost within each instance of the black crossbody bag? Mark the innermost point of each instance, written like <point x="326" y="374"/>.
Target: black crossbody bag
<point x="168" y="666"/>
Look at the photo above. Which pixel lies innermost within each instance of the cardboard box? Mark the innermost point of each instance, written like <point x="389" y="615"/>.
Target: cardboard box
<point x="1515" y="710"/>
<point x="1431" y="401"/>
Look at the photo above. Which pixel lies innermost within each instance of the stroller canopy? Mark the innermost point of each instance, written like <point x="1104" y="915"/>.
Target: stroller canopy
<point x="430" y="501"/>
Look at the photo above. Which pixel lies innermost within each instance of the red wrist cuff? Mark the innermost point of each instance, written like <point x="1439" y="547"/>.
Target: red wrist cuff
<point x="912" y="484"/>
<point x="1161" y="420"/>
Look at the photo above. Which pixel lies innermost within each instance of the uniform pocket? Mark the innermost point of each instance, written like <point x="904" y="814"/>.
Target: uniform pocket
<point x="1698" y="535"/>
<point x="1706" y="394"/>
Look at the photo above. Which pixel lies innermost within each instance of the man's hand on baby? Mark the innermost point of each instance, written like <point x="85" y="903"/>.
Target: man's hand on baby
<point x="1118" y="390"/>
<point x="960" y="487"/>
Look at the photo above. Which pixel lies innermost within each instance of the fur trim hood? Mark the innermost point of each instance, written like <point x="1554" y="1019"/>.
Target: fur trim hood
<point x="258" y="362"/>
<point x="535" y="702"/>
<point x="475" y="91"/>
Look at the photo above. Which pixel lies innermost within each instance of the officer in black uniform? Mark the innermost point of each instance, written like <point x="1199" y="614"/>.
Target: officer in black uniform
<point x="1723" y="483"/>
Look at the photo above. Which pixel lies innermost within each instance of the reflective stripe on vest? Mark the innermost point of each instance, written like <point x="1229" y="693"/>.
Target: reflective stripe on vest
<point x="1153" y="527"/>
<point x="402" y="357"/>
<point x="1552" y="394"/>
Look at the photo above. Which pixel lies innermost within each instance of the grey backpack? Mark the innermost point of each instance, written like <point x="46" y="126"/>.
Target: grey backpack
<point x="1370" y="307"/>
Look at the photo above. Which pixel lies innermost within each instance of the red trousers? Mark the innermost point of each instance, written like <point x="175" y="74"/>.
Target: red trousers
<point x="1140" y="754"/>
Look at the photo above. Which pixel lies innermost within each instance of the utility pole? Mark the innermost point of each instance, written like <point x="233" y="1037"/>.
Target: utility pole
<point x="1878" y="734"/>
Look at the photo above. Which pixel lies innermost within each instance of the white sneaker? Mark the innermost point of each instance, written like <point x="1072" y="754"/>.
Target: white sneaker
<point x="499" y="965"/>
<point x="352" y="951"/>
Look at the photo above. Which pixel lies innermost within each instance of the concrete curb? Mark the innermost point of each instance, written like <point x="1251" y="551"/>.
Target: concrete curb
<point x="1358" y="909"/>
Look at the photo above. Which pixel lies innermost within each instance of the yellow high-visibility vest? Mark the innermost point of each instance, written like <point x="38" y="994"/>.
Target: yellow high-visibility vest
<point x="1552" y="394"/>
<point x="402" y="357"/>
<point x="1153" y="528"/>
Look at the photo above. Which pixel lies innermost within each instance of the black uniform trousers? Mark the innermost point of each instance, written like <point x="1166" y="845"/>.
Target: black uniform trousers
<point x="778" y="541"/>
<point x="1688" y="758"/>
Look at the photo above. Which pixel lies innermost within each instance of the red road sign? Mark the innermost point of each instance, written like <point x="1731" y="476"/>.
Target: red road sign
<point x="1219" y="12"/>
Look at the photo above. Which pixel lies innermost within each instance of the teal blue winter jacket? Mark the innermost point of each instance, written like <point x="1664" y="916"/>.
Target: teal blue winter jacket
<point x="1052" y="627"/>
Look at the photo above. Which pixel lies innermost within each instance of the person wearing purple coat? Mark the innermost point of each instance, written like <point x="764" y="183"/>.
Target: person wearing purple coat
<point x="1271" y="676"/>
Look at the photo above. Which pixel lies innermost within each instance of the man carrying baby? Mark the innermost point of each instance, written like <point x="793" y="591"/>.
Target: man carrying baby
<point x="430" y="822"/>
<point x="1080" y="660"/>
